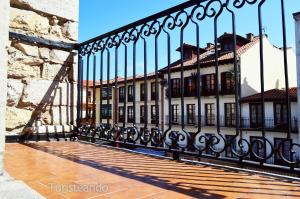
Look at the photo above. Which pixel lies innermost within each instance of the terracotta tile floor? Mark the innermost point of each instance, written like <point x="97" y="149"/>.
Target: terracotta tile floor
<point x="47" y="167"/>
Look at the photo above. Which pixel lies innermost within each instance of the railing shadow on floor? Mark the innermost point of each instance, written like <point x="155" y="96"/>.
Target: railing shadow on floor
<point x="186" y="179"/>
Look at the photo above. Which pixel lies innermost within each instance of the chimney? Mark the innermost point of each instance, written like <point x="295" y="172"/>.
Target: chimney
<point x="209" y="45"/>
<point x="250" y="36"/>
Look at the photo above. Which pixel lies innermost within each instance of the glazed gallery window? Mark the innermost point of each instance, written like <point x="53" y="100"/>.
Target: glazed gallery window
<point x="122" y="94"/>
<point x="210" y="114"/>
<point x="142" y="92"/>
<point x="106" y="111"/>
<point x="121" y="114"/>
<point x="209" y="84"/>
<point x="130" y="114"/>
<point x="104" y="92"/>
<point x="175" y="87"/>
<point x="255" y="115"/>
<point x="142" y="114"/>
<point x="280" y="115"/>
<point x="227" y="83"/>
<point x="190" y="113"/>
<point x="154" y="115"/>
<point x="190" y="86"/>
<point x="153" y="91"/>
<point x="229" y="114"/>
<point x="130" y="93"/>
<point x="175" y="113"/>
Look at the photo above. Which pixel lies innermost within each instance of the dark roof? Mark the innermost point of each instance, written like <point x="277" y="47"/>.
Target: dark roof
<point x="272" y="95"/>
<point x="192" y="47"/>
<point x="239" y="38"/>
<point x="207" y="59"/>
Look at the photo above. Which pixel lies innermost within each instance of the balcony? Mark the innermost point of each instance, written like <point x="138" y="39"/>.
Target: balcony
<point x="245" y="123"/>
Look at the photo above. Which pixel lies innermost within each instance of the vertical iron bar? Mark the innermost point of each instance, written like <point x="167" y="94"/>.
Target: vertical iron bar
<point x="169" y="82"/>
<point x="182" y="79"/>
<point x="101" y="86"/>
<point x="217" y="73"/>
<point x="156" y="82"/>
<point x="261" y="56"/>
<point x="134" y="82"/>
<point x="125" y="87"/>
<point x="145" y="86"/>
<point x="94" y="92"/>
<point x="236" y="76"/>
<point x="87" y="115"/>
<point x="108" y="81"/>
<point x="198" y="81"/>
<point x="286" y="75"/>
<point x="79" y="92"/>
<point x="116" y="87"/>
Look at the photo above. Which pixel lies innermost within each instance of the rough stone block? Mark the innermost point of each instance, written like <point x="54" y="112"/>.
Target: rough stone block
<point x="27" y="49"/>
<point x="29" y="21"/>
<point x="44" y="53"/>
<point x="50" y="93"/>
<point x="16" y="118"/>
<point x="65" y="9"/>
<point x="60" y="56"/>
<point x="38" y="92"/>
<point x="17" y="56"/>
<point x="14" y="91"/>
<point x="20" y="71"/>
<point x="56" y="72"/>
<point x="70" y="30"/>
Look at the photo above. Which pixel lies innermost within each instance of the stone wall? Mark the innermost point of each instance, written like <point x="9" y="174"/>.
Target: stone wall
<point x="4" y="10"/>
<point x="41" y="90"/>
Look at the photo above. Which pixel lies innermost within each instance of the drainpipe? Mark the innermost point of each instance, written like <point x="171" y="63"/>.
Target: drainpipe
<point x="4" y="10"/>
<point x="297" y="40"/>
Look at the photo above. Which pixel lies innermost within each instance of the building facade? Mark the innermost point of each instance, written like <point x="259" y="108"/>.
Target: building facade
<point x="165" y="98"/>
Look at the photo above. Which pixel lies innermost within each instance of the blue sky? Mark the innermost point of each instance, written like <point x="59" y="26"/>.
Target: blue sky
<point x="100" y="16"/>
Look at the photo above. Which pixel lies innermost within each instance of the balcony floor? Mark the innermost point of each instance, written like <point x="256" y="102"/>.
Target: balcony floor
<point x="128" y="175"/>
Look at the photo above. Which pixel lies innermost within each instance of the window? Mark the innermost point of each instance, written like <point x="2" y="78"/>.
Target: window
<point x="130" y="114"/>
<point x="175" y="88"/>
<point x="154" y="116"/>
<point x="255" y="115"/>
<point x="209" y="114"/>
<point x="256" y="147"/>
<point x="142" y="114"/>
<point x="285" y="146"/>
<point x="227" y="83"/>
<point x="130" y="93"/>
<point x="122" y="94"/>
<point x="104" y="92"/>
<point x="175" y="114"/>
<point x="153" y="91"/>
<point x="229" y="114"/>
<point x="190" y="86"/>
<point x="106" y="111"/>
<point x="190" y="113"/>
<point x="121" y="114"/>
<point x="209" y="84"/>
<point x="231" y="141"/>
<point x="142" y="92"/>
<point x="280" y="115"/>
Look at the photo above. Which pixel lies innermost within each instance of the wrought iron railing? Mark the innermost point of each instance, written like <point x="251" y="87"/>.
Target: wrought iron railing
<point x="163" y="24"/>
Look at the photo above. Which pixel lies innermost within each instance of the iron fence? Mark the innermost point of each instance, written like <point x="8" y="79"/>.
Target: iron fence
<point x="192" y="12"/>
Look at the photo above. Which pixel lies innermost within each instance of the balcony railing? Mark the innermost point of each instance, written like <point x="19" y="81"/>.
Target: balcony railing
<point x="119" y="50"/>
<point x="244" y="123"/>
